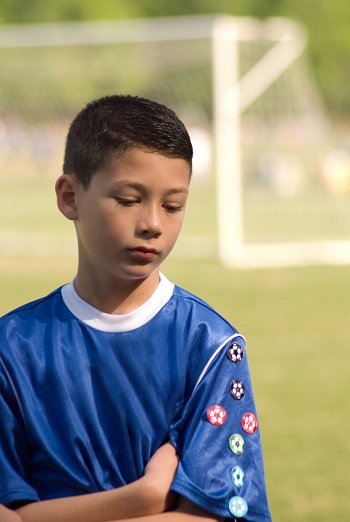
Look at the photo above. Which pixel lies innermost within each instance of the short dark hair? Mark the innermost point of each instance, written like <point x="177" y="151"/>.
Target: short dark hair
<point x="113" y="124"/>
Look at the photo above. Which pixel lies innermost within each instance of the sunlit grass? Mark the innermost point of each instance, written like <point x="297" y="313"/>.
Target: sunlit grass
<point x="296" y="324"/>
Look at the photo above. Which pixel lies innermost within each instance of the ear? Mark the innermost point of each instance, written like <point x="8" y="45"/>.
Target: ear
<point x="66" y="190"/>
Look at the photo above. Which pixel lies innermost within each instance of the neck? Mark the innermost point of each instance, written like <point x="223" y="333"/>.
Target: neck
<point x="120" y="296"/>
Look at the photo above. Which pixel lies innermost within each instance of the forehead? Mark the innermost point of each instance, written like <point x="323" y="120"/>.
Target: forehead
<point x="146" y="168"/>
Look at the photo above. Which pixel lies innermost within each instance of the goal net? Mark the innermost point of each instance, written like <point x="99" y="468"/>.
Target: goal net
<point x="268" y="188"/>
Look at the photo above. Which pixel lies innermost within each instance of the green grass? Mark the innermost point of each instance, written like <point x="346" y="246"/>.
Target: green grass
<point x="297" y="326"/>
<point x="295" y="320"/>
<point x="312" y="215"/>
<point x="28" y="205"/>
<point x="296" y="323"/>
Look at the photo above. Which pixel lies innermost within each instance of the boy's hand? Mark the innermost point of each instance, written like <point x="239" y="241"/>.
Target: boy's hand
<point x="160" y="472"/>
<point x="7" y="515"/>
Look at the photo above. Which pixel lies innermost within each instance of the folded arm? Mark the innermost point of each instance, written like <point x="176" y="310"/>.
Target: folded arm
<point x="144" y="497"/>
<point x="185" y="512"/>
<point x="7" y="515"/>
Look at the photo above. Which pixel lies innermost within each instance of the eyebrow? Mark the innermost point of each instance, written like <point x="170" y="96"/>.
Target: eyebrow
<point x="141" y="188"/>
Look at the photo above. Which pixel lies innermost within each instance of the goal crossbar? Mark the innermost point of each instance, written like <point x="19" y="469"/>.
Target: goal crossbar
<point x="232" y="96"/>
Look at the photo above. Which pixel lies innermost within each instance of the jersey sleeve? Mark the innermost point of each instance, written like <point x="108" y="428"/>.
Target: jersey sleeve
<point x="13" y="447"/>
<point x="217" y="438"/>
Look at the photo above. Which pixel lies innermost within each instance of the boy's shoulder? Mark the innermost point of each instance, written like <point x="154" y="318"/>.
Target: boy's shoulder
<point x="197" y="301"/>
<point x="32" y="307"/>
<point x="202" y="309"/>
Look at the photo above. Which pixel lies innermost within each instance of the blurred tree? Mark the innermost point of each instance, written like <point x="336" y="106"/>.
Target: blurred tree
<point x="327" y="23"/>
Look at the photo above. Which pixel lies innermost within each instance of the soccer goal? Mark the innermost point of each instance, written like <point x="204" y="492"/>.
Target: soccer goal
<point x="266" y="187"/>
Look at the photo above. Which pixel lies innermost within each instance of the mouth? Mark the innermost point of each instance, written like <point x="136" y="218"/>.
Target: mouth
<point x="144" y="253"/>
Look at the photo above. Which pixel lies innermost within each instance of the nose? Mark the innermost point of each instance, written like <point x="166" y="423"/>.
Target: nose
<point x="150" y="223"/>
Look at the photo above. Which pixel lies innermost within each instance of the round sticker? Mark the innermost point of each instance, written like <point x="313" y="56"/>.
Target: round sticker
<point x="238" y="507"/>
<point x="235" y="353"/>
<point x="249" y="423"/>
<point x="236" y="444"/>
<point x="237" y="476"/>
<point x="216" y="415"/>
<point x="237" y="389"/>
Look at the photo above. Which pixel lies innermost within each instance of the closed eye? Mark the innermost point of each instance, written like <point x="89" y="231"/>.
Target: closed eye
<point x="124" y="202"/>
<point x="173" y="208"/>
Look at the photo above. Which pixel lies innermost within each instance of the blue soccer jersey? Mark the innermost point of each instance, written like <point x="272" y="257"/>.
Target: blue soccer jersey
<point x="86" y="398"/>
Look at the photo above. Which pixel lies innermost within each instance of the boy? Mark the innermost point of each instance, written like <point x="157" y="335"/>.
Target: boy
<point x="97" y="377"/>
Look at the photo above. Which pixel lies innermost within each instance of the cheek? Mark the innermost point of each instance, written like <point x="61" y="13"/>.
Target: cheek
<point x="107" y="222"/>
<point x="100" y="230"/>
<point x="174" y="228"/>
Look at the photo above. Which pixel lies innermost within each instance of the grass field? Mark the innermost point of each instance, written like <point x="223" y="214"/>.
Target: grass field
<point x="296" y="321"/>
<point x="297" y="325"/>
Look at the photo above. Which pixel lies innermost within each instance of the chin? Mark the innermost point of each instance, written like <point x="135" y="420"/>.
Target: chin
<point x="138" y="273"/>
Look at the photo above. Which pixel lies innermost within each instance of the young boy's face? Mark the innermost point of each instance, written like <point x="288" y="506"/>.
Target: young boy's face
<point x="129" y="218"/>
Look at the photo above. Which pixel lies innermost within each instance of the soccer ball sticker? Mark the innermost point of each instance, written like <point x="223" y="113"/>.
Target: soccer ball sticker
<point x="237" y="476"/>
<point x="249" y="423"/>
<point x="235" y="353"/>
<point x="237" y="389"/>
<point x="216" y="415"/>
<point x="238" y="507"/>
<point x="236" y="444"/>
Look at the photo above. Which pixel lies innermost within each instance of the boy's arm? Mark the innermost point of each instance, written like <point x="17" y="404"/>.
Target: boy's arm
<point x="6" y="515"/>
<point x="147" y="496"/>
<point x="185" y="512"/>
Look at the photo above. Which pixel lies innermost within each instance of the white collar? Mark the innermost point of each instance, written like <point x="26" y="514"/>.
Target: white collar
<point x="117" y="323"/>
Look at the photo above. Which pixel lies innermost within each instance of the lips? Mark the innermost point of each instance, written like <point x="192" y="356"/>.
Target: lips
<point x="145" y="250"/>
<point x="144" y="254"/>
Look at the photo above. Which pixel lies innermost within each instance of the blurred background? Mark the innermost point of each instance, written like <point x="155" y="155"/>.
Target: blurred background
<point x="262" y="86"/>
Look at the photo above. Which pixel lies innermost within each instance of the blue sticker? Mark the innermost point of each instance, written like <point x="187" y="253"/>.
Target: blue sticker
<point x="237" y="476"/>
<point x="238" y="507"/>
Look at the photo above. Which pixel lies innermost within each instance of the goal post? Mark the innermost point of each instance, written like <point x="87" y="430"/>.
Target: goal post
<point x="233" y="94"/>
<point x="227" y="139"/>
<point x="269" y="188"/>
